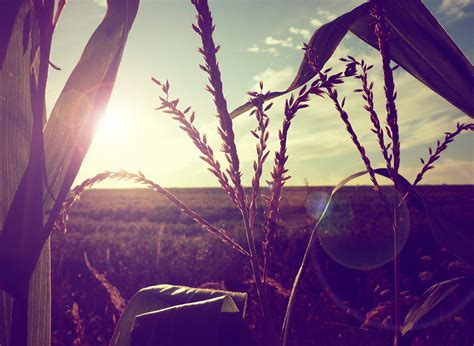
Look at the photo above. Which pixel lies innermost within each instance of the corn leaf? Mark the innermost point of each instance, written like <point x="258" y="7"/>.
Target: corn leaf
<point x="177" y="315"/>
<point x="24" y="24"/>
<point x="17" y="55"/>
<point x="82" y="102"/>
<point x="433" y="297"/>
<point x="19" y="44"/>
<point x="418" y="43"/>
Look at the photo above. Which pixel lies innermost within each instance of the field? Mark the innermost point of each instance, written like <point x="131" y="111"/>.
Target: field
<point x="136" y="239"/>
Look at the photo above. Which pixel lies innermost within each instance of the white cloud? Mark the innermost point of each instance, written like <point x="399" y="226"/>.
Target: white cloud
<point x="256" y="49"/>
<point x="316" y="22"/>
<point x="456" y="8"/>
<point x="277" y="42"/>
<point x="326" y="14"/>
<point x="323" y="17"/>
<point x="319" y="134"/>
<point x="303" y="32"/>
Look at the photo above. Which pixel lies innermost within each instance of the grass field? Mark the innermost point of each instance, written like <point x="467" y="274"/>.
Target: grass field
<point x="136" y="239"/>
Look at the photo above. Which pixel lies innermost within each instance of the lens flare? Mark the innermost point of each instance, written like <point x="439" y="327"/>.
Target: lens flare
<point x="357" y="230"/>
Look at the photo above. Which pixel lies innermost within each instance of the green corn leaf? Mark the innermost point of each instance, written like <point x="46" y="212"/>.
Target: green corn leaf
<point x="433" y="297"/>
<point x="419" y="44"/>
<point x="176" y="315"/>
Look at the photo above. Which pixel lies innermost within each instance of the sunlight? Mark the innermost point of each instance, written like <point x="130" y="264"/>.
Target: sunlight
<point x="113" y="124"/>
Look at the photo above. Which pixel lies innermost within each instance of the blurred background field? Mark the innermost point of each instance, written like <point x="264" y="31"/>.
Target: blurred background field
<point x="136" y="238"/>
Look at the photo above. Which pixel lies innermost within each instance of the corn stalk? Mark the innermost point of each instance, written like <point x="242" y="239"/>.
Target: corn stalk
<point x="38" y="165"/>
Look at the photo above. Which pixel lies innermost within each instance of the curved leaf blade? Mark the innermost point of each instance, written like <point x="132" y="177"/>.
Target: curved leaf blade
<point x="82" y="102"/>
<point x="150" y="309"/>
<point x="419" y="44"/>
<point x="432" y="298"/>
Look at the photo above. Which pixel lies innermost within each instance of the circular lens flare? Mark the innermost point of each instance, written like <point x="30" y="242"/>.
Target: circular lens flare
<point x="357" y="231"/>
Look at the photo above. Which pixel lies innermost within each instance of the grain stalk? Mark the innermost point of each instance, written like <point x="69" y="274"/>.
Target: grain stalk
<point x="278" y="174"/>
<point x="139" y="178"/>
<point x="382" y="33"/>
<point x="205" y="29"/>
<point x="440" y="147"/>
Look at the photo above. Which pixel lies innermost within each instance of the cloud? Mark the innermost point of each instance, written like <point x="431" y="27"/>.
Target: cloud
<point x="318" y="134"/>
<point x="323" y="17"/>
<point x="256" y="49"/>
<point x="277" y="42"/>
<point x="325" y="14"/>
<point x="316" y="22"/>
<point x="274" y="42"/>
<point x="275" y="79"/>
<point x="457" y="8"/>
<point x="303" y="32"/>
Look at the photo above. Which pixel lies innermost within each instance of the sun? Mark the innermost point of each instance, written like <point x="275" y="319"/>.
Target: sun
<point x="113" y="124"/>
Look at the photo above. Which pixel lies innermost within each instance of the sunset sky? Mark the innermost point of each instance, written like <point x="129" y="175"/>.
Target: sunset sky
<point x="260" y="40"/>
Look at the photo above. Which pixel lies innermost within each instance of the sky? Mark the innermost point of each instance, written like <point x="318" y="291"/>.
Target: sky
<point x="260" y="40"/>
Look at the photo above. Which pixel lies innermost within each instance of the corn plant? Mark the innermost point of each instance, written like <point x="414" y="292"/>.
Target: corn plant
<point x="41" y="155"/>
<point x="377" y="23"/>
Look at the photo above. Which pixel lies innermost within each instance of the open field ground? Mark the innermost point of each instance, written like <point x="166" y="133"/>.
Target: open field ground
<point x="136" y="239"/>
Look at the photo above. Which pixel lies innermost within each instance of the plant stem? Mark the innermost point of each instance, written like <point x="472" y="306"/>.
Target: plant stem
<point x="19" y="325"/>
<point x="261" y="290"/>
<point x="396" y="271"/>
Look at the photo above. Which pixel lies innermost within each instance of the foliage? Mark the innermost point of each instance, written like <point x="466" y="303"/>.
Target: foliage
<point x="38" y="165"/>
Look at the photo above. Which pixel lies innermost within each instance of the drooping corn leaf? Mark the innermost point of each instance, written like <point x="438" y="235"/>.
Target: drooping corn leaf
<point x="168" y="315"/>
<point x="418" y="43"/>
<point x="434" y="296"/>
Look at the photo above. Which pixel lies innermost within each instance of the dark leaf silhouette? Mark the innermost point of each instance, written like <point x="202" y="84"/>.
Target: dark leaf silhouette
<point x="418" y="43"/>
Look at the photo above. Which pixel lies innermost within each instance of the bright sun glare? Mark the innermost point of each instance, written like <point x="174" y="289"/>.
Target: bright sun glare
<point x="113" y="124"/>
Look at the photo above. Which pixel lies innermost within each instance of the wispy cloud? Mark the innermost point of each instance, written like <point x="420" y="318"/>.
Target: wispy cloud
<point x="278" y="42"/>
<point x="303" y="32"/>
<point x="256" y="49"/>
<point x="316" y="22"/>
<point x="457" y="9"/>
<point x="273" y="43"/>
<point x="325" y="14"/>
<point x="323" y="17"/>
